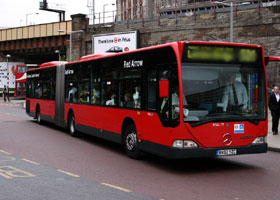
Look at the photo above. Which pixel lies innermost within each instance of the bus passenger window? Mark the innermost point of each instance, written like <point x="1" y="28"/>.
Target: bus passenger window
<point x="95" y="86"/>
<point x="38" y="91"/>
<point x="112" y="100"/>
<point x="152" y="90"/>
<point x="130" y="92"/>
<point x="71" y="91"/>
<point x="110" y="93"/>
<point x="46" y="90"/>
<point x="128" y="103"/>
<point x="95" y="94"/>
<point x="84" y="92"/>
<point x="137" y="97"/>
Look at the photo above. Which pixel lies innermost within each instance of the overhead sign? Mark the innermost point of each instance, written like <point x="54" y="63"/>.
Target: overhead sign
<point x="116" y="42"/>
<point x="7" y="75"/>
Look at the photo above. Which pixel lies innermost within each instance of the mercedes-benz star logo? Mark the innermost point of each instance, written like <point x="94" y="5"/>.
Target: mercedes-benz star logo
<point x="227" y="139"/>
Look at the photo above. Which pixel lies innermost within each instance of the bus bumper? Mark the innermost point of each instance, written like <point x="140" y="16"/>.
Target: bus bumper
<point x="177" y="153"/>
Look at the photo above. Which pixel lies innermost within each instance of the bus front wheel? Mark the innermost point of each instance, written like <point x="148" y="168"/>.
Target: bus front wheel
<point x="130" y="142"/>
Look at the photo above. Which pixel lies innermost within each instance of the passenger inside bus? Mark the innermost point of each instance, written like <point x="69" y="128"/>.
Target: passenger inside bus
<point x="39" y="91"/>
<point x="136" y="97"/>
<point x="128" y="103"/>
<point x="85" y="94"/>
<point x="111" y="101"/>
<point x="95" y="95"/>
<point x="72" y="94"/>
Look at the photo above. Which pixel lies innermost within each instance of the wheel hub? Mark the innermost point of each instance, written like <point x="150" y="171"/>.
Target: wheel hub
<point x="131" y="141"/>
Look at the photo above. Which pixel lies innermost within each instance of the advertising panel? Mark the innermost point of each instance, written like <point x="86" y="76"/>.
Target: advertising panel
<point x="4" y="79"/>
<point x="116" y="42"/>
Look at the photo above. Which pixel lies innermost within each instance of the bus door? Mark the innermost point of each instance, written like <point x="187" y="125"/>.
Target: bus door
<point x="162" y="103"/>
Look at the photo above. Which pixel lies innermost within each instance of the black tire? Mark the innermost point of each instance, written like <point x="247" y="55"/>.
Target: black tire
<point x="131" y="142"/>
<point x="38" y="115"/>
<point x="71" y="126"/>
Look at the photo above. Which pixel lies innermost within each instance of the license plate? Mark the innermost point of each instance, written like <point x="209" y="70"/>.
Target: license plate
<point x="226" y="152"/>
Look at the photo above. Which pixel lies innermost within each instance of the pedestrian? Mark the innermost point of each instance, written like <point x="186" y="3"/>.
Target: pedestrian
<point x="272" y="90"/>
<point x="274" y="107"/>
<point x="5" y="93"/>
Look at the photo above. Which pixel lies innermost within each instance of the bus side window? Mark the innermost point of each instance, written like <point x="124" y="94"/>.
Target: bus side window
<point x="71" y="92"/>
<point x="38" y="90"/>
<point x="95" y="85"/>
<point x="152" y="90"/>
<point x="52" y="84"/>
<point x="71" y="84"/>
<point x="46" y="90"/>
<point x="130" y="91"/>
<point x="130" y="87"/>
<point x="84" y="83"/>
<point x="109" y="83"/>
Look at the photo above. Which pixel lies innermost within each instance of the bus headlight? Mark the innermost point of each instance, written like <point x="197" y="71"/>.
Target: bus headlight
<point x="259" y="140"/>
<point x="184" y="144"/>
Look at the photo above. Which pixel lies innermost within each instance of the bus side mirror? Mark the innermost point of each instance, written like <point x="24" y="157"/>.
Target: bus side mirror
<point x="164" y="88"/>
<point x="271" y="59"/>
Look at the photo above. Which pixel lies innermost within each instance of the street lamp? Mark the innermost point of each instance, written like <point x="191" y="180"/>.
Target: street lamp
<point x="30" y="14"/>
<point x="70" y="43"/>
<point x="8" y="56"/>
<point x="58" y="52"/>
<point x="104" y="10"/>
<point x="231" y="14"/>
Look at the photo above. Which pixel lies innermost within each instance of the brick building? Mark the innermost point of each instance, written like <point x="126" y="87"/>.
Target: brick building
<point x="138" y="9"/>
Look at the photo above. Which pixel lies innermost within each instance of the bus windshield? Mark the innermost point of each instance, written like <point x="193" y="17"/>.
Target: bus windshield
<point x="223" y="92"/>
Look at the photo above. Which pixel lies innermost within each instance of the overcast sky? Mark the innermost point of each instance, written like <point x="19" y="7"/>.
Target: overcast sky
<point x="13" y="12"/>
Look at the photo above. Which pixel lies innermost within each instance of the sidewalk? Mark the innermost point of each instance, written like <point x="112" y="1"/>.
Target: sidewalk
<point x="272" y="140"/>
<point x="14" y="102"/>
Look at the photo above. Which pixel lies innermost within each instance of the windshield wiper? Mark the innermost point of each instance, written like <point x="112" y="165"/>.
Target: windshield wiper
<point x="205" y="121"/>
<point x="219" y="119"/>
<point x="256" y="122"/>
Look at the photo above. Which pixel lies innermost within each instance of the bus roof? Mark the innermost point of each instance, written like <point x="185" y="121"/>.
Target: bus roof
<point x="179" y="43"/>
<point x="49" y="64"/>
<point x="221" y="43"/>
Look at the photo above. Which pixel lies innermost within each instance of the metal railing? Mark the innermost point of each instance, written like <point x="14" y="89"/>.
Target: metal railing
<point x="176" y="10"/>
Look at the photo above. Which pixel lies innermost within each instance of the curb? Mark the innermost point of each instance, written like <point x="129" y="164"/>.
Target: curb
<point x="274" y="149"/>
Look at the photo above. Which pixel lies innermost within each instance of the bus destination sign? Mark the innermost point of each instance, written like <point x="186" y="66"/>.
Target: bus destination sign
<point x="224" y="54"/>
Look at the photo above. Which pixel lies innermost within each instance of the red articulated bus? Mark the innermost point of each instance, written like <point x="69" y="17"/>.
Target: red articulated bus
<point x="177" y="100"/>
<point x="20" y="74"/>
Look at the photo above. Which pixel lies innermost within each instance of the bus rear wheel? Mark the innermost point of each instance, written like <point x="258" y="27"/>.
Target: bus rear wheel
<point x="38" y="116"/>
<point x="71" y="126"/>
<point x="130" y="143"/>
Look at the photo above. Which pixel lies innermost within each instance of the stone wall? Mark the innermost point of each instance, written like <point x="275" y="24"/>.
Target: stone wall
<point x="250" y="26"/>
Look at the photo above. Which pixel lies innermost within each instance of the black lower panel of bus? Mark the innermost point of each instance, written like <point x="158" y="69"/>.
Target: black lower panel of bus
<point x="107" y="135"/>
<point x="177" y="153"/>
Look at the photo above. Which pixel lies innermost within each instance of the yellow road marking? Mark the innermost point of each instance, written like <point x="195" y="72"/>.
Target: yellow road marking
<point x="116" y="187"/>
<point x="5" y="152"/>
<point x="6" y="158"/>
<point x="30" y="161"/>
<point x="68" y="173"/>
<point x="10" y="172"/>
